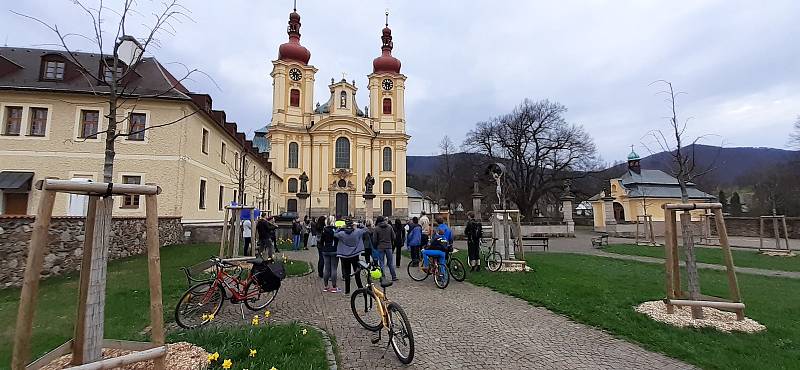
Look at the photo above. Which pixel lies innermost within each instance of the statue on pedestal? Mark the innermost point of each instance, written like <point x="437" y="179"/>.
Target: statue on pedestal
<point x="303" y="183"/>
<point x="369" y="182"/>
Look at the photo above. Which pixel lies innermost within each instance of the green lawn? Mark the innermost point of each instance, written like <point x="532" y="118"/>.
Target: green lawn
<point x="283" y="346"/>
<point x="602" y="292"/>
<point x="714" y="255"/>
<point x="127" y="299"/>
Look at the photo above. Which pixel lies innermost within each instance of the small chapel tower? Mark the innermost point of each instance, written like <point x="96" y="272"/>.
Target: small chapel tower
<point x="387" y="88"/>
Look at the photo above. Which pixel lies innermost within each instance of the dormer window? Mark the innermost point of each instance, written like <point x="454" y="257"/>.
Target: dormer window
<point x="108" y="74"/>
<point x="343" y="100"/>
<point x="53" y="70"/>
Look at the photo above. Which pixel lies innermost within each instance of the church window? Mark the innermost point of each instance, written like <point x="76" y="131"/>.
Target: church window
<point x="294" y="153"/>
<point x="387" y="106"/>
<point x="342" y="153"/>
<point x="292" y="185"/>
<point x="294" y="98"/>
<point x="387" y="208"/>
<point x="343" y="100"/>
<point x="387" y="187"/>
<point x="291" y="205"/>
<point x="387" y="159"/>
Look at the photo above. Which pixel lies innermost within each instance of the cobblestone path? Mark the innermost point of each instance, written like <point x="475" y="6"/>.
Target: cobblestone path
<point x="461" y="327"/>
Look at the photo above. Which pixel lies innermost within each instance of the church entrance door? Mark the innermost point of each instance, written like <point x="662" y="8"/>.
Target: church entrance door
<point x="341" y="204"/>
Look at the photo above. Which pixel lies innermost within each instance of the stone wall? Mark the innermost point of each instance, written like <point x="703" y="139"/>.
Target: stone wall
<point x="748" y="226"/>
<point x="65" y="246"/>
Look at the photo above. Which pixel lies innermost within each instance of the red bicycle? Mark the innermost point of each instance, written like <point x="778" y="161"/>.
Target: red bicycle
<point x="202" y="301"/>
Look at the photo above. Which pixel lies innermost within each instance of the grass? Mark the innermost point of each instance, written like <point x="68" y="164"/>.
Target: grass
<point x="714" y="256"/>
<point x="127" y="299"/>
<point x="602" y="292"/>
<point x="284" y="347"/>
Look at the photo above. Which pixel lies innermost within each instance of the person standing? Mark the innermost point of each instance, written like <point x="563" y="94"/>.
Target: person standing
<point x="474" y="232"/>
<point x="317" y="228"/>
<point x="306" y="228"/>
<point x="425" y="225"/>
<point x="383" y="234"/>
<point x="247" y="234"/>
<point x="330" y="260"/>
<point x="297" y="232"/>
<point x="349" y="247"/>
<point x="414" y="240"/>
<point x="399" y="240"/>
<point x="264" y="239"/>
<point x="369" y="242"/>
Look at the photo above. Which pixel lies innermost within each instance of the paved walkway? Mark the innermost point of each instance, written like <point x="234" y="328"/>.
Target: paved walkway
<point x="463" y="326"/>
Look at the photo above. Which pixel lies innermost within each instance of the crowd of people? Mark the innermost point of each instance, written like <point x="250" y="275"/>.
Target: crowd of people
<point x="341" y="241"/>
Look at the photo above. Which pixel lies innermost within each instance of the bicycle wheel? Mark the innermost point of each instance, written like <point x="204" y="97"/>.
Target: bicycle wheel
<point x="415" y="272"/>
<point x="494" y="261"/>
<point x="457" y="269"/>
<point x="365" y="308"/>
<point x="256" y="297"/>
<point x="197" y="301"/>
<point x="400" y="335"/>
<point x="441" y="277"/>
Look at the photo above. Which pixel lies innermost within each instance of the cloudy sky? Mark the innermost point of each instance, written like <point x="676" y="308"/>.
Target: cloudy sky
<point x="466" y="61"/>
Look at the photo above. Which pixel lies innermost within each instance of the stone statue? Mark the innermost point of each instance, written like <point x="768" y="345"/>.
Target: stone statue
<point x="499" y="190"/>
<point x="303" y="183"/>
<point x="369" y="182"/>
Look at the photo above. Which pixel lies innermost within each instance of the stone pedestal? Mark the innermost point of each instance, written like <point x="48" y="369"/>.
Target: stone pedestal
<point x="477" y="198"/>
<point x="608" y="212"/>
<point x="302" y="205"/>
<point x="566" y="209"/>
<point x="369" y="200"/>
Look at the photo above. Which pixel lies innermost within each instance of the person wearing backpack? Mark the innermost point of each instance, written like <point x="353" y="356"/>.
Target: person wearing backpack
<point x="474" y="232"/>
<point x="297" y="236"/>
<point x="330" y="260"/>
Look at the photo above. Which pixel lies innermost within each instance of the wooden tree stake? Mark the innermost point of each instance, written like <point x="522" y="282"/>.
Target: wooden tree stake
<point x="83" y="283"/>
<point x="154" y="277"/>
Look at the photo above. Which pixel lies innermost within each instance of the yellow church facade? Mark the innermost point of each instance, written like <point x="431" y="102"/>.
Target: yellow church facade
<point x="336" y="143"/>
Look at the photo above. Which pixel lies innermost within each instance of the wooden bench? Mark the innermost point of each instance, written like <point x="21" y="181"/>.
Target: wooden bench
<point x="536" y="241"/>
<point x="600" y="240"/>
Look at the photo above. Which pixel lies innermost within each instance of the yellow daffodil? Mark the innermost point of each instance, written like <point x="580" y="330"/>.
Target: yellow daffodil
<point x="213" y="357"/>
<point x="266" y="314"/>
<point x="273" y="368"/>
<point x="305" y="331"/>
<point x="255" y="320"/>
<point x="253" y="352"/>
<point x="205" y="317"/>
<point x="227" y="363"/>
<point x="208" y="317"/>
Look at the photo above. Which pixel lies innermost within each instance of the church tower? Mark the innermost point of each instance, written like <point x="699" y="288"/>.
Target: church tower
<point x="387" y="88"/>
<point x="292" y="80"/>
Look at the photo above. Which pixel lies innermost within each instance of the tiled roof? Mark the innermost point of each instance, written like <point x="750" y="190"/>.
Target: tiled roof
<point x="23" y="72"/>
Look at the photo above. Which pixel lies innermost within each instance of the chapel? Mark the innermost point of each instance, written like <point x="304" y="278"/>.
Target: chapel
<point x="336" y="143"/>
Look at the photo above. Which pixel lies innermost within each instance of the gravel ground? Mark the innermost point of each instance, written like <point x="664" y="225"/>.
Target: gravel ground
<point x="714" y="318"/>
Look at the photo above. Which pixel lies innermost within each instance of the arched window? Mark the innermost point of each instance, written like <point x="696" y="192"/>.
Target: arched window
<point x="387" y="187"/>
<point x="387" y="208"/>
<point x="292" y="185"/>
<point x="291" y="205"/>
<point x="387" y="159"/>
<point x="294" y="153"/>
<point x="343" y="100"/>
<point x="387" y="106"/>
<point x="294" y="98"/>
<point x="342" y="152"/>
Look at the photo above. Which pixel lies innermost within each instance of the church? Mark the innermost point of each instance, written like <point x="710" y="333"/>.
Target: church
<point x="337" y="144"/>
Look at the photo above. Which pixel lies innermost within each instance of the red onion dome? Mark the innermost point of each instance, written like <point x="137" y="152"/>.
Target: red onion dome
<point x="386" y="62"/>
<point x="292" y="50"/>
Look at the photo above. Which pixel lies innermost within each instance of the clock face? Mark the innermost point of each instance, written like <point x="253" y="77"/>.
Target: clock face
<point x="295" y="74"/>
<point x="387" y="84"/>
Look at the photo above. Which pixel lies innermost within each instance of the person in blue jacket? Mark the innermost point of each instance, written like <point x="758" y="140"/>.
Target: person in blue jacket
<point x="414" y="240"/>
<point x="350" y="246"/>
<point x="438" y="248"/>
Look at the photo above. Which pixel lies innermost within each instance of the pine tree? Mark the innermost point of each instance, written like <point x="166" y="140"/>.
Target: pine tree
<point x="724" y="201"/>
<point x="736" y="205"/>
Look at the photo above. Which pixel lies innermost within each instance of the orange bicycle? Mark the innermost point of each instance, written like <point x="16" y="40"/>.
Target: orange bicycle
<point x="374" y="311"/>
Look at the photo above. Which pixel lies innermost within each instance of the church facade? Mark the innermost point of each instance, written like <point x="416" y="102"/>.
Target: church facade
<point x="337" y="143"/>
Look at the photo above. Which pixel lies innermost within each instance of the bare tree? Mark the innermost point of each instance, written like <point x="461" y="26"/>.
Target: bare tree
<point x="684" y="168"/>
<point x="446" y="169"/>
<point x="113" y="84"/>
<point x="794" y="137"/>
<point x="540" y="149"/>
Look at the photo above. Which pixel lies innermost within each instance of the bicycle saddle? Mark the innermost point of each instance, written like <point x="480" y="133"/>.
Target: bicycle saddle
<point x="386" y="283"/>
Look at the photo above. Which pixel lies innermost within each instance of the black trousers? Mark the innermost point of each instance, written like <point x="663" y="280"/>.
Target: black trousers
<point x="367" y="254"/>
<point x="348" y="266"/>
<point x="320" y="263"/>
<point x="398" y="248"/>
<point x="247" y="241"/>
<point x="474" y="250"/>
<point x="305" y="240"/>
